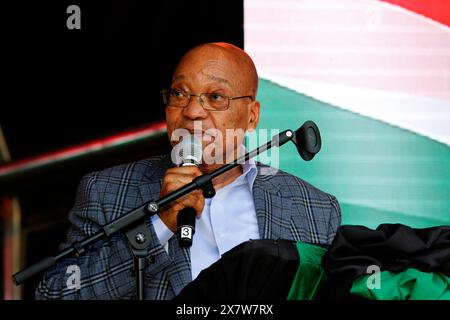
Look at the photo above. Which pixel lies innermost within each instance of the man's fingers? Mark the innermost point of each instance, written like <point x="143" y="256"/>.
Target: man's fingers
<point x="175" y="178"/>
<point x="197" y="201"/>
<point x="194" y="200"/>
<point x="189" y="170"/>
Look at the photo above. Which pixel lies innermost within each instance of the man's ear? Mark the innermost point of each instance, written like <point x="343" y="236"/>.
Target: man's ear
<point x="253" y="118"/>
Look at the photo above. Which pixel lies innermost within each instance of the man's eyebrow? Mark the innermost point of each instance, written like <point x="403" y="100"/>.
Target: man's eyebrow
<point x="219" y="79"/>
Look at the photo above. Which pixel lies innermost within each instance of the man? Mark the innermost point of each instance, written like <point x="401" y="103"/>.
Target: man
<point x="215" y="85"/>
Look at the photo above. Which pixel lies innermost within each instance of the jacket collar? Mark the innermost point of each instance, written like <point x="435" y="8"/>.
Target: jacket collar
<point x="273" y="211"/>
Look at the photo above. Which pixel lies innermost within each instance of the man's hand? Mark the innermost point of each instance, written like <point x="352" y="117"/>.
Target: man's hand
<point x="175" y="178"/>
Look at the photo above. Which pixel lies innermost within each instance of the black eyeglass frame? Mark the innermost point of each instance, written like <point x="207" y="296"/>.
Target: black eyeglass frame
<point x="166" y="93"/>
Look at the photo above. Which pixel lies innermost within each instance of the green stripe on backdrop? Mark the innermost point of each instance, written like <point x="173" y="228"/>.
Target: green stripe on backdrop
<point x="379" y="173"/>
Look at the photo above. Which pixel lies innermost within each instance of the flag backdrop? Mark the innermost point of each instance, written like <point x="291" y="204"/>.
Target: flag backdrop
<point x="375" y="77"/>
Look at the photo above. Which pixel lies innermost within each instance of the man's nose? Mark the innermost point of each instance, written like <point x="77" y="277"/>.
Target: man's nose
<point x="194" y="110"/>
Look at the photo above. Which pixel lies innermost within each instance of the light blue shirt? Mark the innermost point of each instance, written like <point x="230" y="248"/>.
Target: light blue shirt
<point x="227" y="219"/>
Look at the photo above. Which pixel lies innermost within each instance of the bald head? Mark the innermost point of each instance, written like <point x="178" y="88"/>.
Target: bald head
<point x="241" y="66"/>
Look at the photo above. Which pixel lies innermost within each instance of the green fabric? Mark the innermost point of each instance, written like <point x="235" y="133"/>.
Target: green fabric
<point x="373" y="168"/>
<point x="310" y="274"/>
<point x="410" y="284"/>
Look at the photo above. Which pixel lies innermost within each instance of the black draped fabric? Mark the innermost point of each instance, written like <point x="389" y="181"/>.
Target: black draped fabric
<point x="255" y="269"/>
<point x="391" y="247"/>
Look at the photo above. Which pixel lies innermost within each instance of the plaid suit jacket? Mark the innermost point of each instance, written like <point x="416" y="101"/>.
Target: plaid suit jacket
<point x="286" y="207"/>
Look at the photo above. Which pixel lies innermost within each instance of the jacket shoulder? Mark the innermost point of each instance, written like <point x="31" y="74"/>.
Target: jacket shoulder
<point x="316" y="214"/>
<point x="132" y="173"/>
<point x="289" y="185"/>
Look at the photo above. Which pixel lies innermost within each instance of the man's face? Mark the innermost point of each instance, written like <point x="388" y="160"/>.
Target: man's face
<point x="212" y="70"/>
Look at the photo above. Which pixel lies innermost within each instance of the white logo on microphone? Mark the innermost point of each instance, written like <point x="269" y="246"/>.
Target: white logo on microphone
<point x="186" y="232"/>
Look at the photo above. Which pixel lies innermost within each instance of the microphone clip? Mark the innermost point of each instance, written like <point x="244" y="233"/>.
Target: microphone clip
<point x="208" y="190"/>
<point x="204" y="182"/>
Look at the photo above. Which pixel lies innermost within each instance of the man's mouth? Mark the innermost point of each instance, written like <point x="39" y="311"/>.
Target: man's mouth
<point x="204" y="135"/>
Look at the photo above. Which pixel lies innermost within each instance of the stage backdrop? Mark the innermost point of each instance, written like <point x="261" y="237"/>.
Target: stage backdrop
<point x="375" y="76"/>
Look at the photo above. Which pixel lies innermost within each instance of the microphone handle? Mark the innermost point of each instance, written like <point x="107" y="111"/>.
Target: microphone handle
<point x="186" y="218"/>
<point x="186" y="226"/>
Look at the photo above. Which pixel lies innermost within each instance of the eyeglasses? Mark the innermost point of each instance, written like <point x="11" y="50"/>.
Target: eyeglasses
<point x="209" y="101"/>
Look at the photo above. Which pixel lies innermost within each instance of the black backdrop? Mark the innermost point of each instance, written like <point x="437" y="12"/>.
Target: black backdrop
<point x="67" y="86"/>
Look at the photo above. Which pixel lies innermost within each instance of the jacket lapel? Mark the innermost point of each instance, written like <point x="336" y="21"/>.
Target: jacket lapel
<point x="273" y="212"/>
<point x="152" y="179"/>
<point x="179" y="270"/>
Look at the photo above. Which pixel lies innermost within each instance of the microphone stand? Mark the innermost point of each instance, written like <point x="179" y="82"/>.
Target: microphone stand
<point x="133" y="222"/>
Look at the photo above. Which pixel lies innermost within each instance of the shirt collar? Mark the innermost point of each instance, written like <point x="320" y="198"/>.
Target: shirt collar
<point x="249" y="170"/>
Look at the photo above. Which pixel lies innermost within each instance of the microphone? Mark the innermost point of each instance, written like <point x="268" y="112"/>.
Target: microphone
<point x="187" y="153"/>
<point x="186" y="226"/>
<point x="308" y="141"/>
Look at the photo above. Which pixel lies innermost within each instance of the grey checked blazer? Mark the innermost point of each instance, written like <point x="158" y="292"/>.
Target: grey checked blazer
<point x="286" y="207"/>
